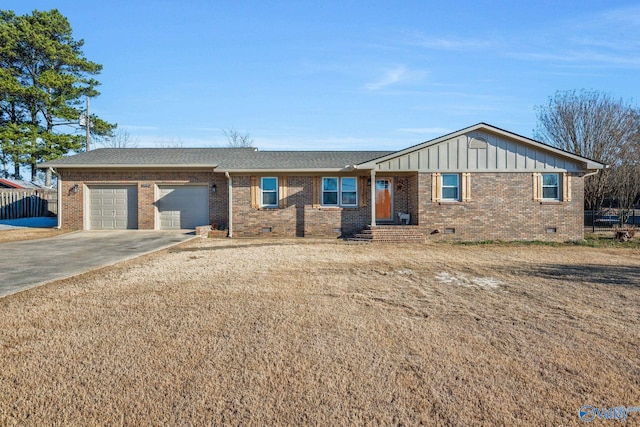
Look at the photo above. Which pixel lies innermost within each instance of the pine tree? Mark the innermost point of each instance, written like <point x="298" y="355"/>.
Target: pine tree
<point x="44" y="79"/>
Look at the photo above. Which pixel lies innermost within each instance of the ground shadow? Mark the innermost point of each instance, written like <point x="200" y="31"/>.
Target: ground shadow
<point x="32" y="222"/>
<point x="248" y="245"/>
<point x="594" y="273"/>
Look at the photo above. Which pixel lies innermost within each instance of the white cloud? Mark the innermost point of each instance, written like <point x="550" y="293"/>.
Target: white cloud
<point x="397" y="75"/>
<point x="329" y="143"/>
<point x="629" y="17"/>
<point x="390" y="77"/>
<point x="137" y="127"/>
<point x="447" y="43"/>
<point x="430" y="131"/>
<point x="286" y="143"/>
<point x="605" y="39"/>
<point x="587" y="57"/>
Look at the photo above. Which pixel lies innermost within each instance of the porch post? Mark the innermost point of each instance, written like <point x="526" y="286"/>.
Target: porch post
<point x="373" y="197"/>
<point x="230" y="203"/>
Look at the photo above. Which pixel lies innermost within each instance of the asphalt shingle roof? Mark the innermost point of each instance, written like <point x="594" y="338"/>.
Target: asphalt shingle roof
<point x="220" y="158"/>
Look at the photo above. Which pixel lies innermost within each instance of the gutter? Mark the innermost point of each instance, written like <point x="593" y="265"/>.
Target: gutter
<point x="130" y="166"/>
<point x="595" y="171"/>
<point x="230" y="203"/>
<point x="290" y="170"/>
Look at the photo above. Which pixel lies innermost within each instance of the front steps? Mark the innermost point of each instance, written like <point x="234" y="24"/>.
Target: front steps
<point x="389" y="233"/>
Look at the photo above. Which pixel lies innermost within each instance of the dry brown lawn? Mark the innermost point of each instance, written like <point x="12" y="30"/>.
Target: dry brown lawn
<point x="17" y="234"/>
<point x="292" y="332"/>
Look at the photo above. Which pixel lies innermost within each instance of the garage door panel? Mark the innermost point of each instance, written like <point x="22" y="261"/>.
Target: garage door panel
<point x="113" y="208"/>
<point x="183" y="207"/>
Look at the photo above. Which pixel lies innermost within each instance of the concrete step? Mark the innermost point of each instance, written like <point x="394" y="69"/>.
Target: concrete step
<point x="390" y="233"/>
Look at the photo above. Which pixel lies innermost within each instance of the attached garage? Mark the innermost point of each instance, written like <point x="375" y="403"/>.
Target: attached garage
<point x="113" y="207"/>
<point x="182" y="206"/>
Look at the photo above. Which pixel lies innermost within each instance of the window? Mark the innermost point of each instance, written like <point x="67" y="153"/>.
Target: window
<point x="550" y="186"/>
<point x="330" y="191"/>
<point x="269" y="191"/>
<point x="339" y="191"/>
<point x="348" y="192"/>
<point x="450" y="187"/>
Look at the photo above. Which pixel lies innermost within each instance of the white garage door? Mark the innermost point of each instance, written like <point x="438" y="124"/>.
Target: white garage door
<point x="113" y="208"/>
<point x="183" y="206"/>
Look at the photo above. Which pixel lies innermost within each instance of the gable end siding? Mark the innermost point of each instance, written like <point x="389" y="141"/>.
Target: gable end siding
<point x="463" y="154"/>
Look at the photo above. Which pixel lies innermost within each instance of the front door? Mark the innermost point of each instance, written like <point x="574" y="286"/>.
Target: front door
<point x="383" y="199"/>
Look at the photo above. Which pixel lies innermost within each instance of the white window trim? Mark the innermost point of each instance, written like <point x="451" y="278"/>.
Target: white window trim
<point x="557" y="186"/>
<point x="338" y="192"/>
<point x="262" y="192"/>
<point x="442" y="187"/>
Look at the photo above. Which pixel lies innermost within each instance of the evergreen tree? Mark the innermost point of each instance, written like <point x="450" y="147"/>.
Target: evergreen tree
<point x="44" y="80"/>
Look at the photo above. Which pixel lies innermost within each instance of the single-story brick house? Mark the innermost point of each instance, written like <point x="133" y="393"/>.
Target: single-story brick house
<point x="478" y="183"/>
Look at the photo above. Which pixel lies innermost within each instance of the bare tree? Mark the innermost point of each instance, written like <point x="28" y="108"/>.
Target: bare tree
<point x="236" y="139"/>
<point x="591" y="124"/>
<point x="120" y="139"/>
<point x="626" y="180"/>
<point x="167" y="142"/>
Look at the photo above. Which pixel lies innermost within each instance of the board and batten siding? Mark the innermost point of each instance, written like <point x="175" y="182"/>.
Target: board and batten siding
<point x="479" y="152"/>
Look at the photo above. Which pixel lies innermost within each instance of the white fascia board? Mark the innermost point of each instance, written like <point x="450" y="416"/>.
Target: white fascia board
<point x="292" y="170"/>
<point x="134" y="166"/>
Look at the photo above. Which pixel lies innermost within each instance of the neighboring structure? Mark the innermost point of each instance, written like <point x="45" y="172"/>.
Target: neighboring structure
<point x="16" y="184"/>
<point x="478" y="183"/>
<point x="8" y="183"/>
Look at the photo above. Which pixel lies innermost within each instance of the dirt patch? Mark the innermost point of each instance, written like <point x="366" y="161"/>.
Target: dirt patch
<point x="18" y="234"/>
<point x="321" y="332"/>
<point x="460" y="279"/>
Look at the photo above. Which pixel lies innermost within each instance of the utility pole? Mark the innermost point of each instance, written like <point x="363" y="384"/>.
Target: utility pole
<point x="87" y="124"/>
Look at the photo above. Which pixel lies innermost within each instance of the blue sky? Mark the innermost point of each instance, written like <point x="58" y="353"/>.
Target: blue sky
<point x="346" y="75"/>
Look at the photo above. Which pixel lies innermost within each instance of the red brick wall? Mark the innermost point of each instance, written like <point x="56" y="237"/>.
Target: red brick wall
<point x="73" y="203"/>
<point x="502" y="208"/>
<point x="299" y="218"/>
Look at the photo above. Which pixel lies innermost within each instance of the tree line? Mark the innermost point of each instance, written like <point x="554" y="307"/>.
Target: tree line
<point x="44" y="81"/>
<point x="596" y="125"/>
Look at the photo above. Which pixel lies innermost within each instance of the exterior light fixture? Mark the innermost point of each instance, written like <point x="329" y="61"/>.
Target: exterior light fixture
<point x="74" y="189"/>
<point x="214" y="188"/>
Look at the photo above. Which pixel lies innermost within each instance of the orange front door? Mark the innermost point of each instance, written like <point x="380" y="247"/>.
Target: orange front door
<point x="383" y="199"/>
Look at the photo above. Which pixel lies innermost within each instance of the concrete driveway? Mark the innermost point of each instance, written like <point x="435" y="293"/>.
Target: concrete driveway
<point x="26" y="264"/>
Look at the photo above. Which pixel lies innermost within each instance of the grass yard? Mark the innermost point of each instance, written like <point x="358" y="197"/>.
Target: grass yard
<point x="18" y="234"/>
<point x="290" y="332"/>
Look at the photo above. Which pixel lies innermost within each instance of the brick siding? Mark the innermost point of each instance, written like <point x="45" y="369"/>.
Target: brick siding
<point x="73" y="213"/>
<point x="299" y="218"/>
<point x="502" y="208"/>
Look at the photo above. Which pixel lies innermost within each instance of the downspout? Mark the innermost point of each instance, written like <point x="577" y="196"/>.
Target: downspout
<point x="59" y="201"/>
<point x="230" y="202"/>
<point x="595" y="171"/>
<point x="373" y="197"/>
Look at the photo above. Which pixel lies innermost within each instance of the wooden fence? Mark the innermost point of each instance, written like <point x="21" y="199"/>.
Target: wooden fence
<point x="27" y="203"/>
